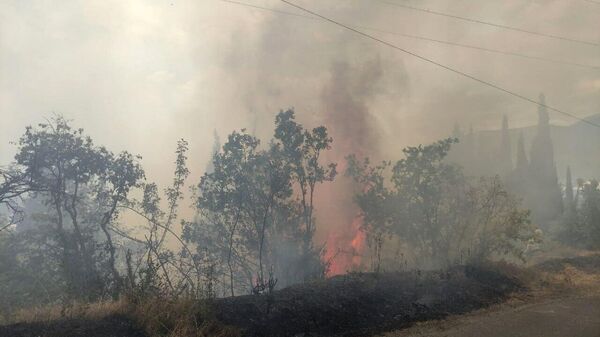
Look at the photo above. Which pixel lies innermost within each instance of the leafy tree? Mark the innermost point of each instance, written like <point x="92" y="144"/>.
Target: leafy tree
<point x="303" y="150"/>
<point x="240" y="196"/>
<point x="431" y="207"/>
<point x="165" y="273"/>
<point x="81" y="185"/>
<point x="118" y="176"/>
<point x="571" y="231"/>
<point x="590" y="213"/>
<point x="581" y="223"/>
<point x="28" y="270"/>
<point x="13" y="185"/>
<point x="252" y="219"/>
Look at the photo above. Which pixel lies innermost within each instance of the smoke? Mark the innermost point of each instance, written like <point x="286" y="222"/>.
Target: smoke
<point x="183" y="68"/>
<point x="139" y="75"/>
<point x="331" y="78"/>
<point x="346" y="99"/>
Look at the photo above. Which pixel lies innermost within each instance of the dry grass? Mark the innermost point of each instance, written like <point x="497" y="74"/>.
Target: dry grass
<point x="182" y="318"/>
<point x="572" y="279"/>
<point x="188" y="318"/>
<point x="542" y="286"/>
<point x="81" y="310"/>
<point x="552" y="250"/>
<point x="157" y="317"/>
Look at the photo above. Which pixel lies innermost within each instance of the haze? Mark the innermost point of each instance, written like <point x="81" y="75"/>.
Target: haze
<point x="138" y="75"/>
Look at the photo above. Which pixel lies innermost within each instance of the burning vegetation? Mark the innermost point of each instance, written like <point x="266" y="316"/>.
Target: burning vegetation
<point x="65" y="238"/>
<point x="421" y="228"/>
<point x="316" y="221"/>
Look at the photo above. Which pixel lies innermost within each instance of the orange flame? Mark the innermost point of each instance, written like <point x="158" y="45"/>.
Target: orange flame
<point x="344" y="252"/>
<point x="358" y="243"/>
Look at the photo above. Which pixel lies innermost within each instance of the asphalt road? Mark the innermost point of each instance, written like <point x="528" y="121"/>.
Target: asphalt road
<point x="568" y="317"/>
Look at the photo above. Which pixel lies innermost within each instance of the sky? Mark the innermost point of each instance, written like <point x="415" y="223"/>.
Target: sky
<point x="138" y="75"/>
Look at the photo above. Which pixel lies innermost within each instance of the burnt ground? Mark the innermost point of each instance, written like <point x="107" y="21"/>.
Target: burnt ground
<point x="359" y="304"/>
<point x="567" y="304"/>
<point x="110" y="326"/>
<point x="349" y="305"/>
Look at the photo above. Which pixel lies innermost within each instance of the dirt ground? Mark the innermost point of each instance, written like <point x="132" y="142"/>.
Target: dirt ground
<point x="566" y="304"/>
<point x="564" y="317"/>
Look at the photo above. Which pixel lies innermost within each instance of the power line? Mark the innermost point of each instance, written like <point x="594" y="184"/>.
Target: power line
<point x="269" y="9"/>
<point x="521" y="30"/>
<point x="417" y="37"/>
<point x="490" y="50"/>
<point x="489" y="84"/>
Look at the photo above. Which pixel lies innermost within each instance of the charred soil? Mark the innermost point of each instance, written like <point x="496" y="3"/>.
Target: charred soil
<point x="348" y="305"/>
<point x="110" y="326"/>
<point x="360" y="303"/>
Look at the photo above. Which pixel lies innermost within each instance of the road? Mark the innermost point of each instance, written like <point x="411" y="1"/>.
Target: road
<point x="566" y="317"/>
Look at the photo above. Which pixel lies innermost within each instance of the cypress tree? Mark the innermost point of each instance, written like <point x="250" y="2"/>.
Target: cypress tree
<point x="569" y="198"/>
<point x="518" y="180"/>
<point x="522" y="162"/>
<point x="546" y="198"/>
<point x="505" y="165"/>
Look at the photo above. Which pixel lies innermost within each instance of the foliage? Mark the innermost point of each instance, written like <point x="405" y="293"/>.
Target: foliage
<point x="581" y="222"/>
<point x="161" y="272"/>
<point x="67" y="239"/>
<point x="255" y="216"/>
<point x="13" y="185"/>
<point x="250" y="219"/>
<point x="430" y="206"/>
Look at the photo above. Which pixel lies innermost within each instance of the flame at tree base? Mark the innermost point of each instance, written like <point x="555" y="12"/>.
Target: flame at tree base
<point x="345" y="249"/>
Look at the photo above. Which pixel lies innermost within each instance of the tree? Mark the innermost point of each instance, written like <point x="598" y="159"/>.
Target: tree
<point x="223" y="200"/>
<point x="571" y="231"/>
<point x="82" y="185"/>
<point x="505" y="154"/>
<point x="13" y="185"/>
<point x="544" y="194"/>
<point x="165" y="272"/>
<point x="434" y="209"/>
<point x="569" y="197"/>
<point x="590" y="213"/>
<point x="245" y="189"/>
<point x="518" y="180"/>
<point x="581" y="219"/>
<point x="118" y="175"/>
<point x="522" y="162"/>
<point x="302" y="150"/>
<point x="256" y="206"/>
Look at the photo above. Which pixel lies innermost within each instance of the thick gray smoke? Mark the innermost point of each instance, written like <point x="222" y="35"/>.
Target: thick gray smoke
<point x="346" y="99"/>
<point x="139" y="75"/>
<point x="331" y="79"/>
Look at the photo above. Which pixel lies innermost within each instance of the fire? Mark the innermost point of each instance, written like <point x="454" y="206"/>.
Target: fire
<point x="357" y="243"/>
<point x="344" y="251"/>
<point x="345" y="243"/>
<point x="346" y="98"/>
